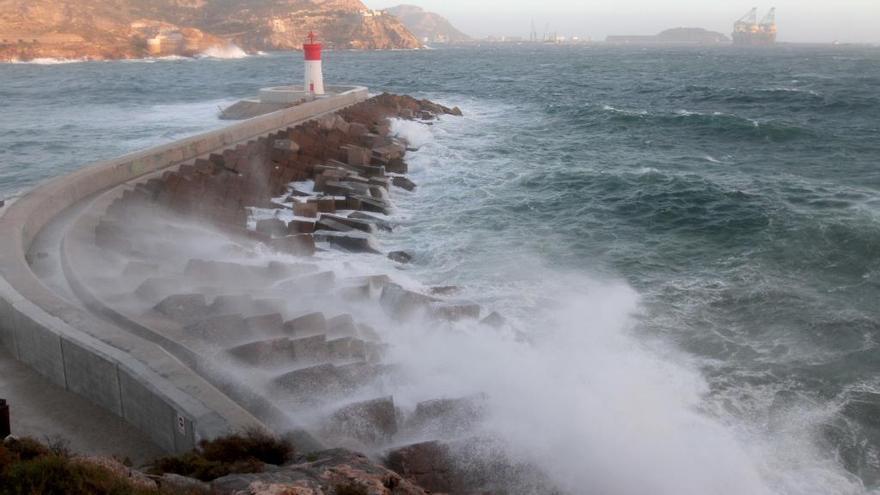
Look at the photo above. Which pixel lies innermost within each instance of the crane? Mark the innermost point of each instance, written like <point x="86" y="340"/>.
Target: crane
<point x="768" y="24"/>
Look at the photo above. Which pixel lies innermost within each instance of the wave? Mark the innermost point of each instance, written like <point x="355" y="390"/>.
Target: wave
<point x="715" y="123"/>
<point x="50" y="61"/>
<point x="224" y="52"/>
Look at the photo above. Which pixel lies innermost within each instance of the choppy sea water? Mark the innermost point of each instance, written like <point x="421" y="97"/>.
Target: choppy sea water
<point x="690" y="239"/>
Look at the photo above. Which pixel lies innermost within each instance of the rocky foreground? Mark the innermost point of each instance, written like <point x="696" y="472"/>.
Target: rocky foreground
<point x="125" y="29"/>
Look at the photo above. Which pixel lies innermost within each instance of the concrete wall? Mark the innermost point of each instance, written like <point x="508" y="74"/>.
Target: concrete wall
<point x="75" y="349"/>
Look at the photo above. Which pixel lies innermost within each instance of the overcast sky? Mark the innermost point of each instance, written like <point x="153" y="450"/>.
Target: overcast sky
<point x="799" y="20"/>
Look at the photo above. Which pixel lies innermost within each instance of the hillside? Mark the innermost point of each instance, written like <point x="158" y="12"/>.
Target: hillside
<point x="427" y="26"/>
<point x="112" y="29"/>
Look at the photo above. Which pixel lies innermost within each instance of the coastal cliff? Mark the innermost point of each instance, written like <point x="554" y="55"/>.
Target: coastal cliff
<point x="428" y="26"/>
<point x="121" y="29"/>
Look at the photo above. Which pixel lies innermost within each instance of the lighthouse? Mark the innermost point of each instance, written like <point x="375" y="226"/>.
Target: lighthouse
<point x="314" y="77"/>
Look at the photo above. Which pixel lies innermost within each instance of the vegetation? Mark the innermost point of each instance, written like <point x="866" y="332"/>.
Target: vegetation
<point x="241" y="453"/>
<point x="30" y="467"/>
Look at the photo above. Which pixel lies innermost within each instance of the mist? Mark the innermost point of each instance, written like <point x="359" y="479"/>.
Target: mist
<point x="852" y="21"/>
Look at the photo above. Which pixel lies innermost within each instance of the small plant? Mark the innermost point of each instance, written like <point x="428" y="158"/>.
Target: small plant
<point x="240" y="453"/>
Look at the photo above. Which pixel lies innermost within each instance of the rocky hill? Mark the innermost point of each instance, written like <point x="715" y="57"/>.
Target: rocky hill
<point x="427" y="26"/>
<point x="111" y="29"/>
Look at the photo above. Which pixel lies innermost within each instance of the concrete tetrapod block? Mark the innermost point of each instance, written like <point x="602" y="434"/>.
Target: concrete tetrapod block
<point x="307" y="325"/>
<point x="371" y="422"/>
<point x="353" y="241"/>
<point x="297" y="245"/>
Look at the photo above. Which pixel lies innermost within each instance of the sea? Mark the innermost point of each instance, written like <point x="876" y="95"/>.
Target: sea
<point x="686" y="239"/>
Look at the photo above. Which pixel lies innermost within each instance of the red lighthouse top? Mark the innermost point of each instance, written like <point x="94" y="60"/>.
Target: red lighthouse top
<point x="312" y="49"/>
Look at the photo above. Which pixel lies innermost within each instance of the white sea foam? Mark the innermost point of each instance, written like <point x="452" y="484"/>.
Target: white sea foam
<point x="224" y="52"/>
<point x="596" y="404"/>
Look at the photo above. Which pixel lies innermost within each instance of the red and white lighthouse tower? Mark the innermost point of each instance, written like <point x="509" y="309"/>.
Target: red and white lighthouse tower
<point x="314" y="75"/>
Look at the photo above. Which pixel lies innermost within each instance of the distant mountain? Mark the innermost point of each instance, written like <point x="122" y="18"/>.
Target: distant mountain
<point x="111" y="29"/>
<point x="427" y="26"/>
<point x="697" y="36"/>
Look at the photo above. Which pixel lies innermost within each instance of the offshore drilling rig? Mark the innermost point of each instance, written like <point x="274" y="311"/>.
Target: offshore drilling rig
<point x="748" y="31"/>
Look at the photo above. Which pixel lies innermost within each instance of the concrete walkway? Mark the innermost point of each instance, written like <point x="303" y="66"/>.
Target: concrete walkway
<point x="43" y="410"/>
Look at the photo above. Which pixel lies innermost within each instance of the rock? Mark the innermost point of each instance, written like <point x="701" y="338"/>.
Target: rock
<point x="357" y="129"/>
<point x="307" y="210"/>
<point x="456" y="111"/>
<point x="458" y="312"/>
<point x="176" y="483"/>
<point x="445" y="290"/>
<point x="184" y="307"/>
<point x="378" y="222"/>
<point x="272" y="227"/>
<point x="494" y="320"/>
<point x="331" y="224"/>
<point x="268" y="324"/>
<point x="358" y="156"/>
<point x="370" y="204"/>
<point x="362" y="225"/>
<point x="231" y="304"/>
<point x="307" y="325"/>
<point x="335" y="188"/>
<point x="404" y="183"/>
<point x="326" y="204"/>
<point x="447" y="417"/>
<point x="428" y="464"/>
<point x="354" y="241"/>
<point x="297" y="245"/>
<point x="400" y="256"/>
<point x="301" y="227"/>
<point x="401" y="303"/>
<point x="286" y="145"/>
<point x="371" y="422"/>
<point x="222" y="330"/>
<point x="324" y="475"/>
<point x="265" y="353"/>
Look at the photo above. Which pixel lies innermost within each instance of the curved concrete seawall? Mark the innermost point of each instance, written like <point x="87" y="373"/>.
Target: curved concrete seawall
<point x="86" y="354"/>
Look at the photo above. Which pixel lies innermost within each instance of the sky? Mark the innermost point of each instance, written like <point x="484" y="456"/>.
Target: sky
<point x="854" y="21"/>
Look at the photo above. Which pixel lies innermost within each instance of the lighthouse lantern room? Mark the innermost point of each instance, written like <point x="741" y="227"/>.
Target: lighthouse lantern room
<point x="314" y="77"/>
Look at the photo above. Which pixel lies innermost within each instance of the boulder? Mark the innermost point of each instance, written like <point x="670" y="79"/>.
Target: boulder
<point x="300" y="227"/>
<point x="273" y="352"/>
<point x="371" y="422"/>
<point x="403" y="183"/>
<point x="362" y="225"/>
<point x="373" y="205"/>
<point x="184" y="307"/>
<point x="353" y="241"/>
<point x="307" y="210"/>
<point x="326" y="204"/>
<point x="307" y="325"/>
<point x="267" y="324"/>
<point x="220" y="330"/>
<point x="358" y="156"/>
<point x="494" y="320"/>
<point x="175" y="483"/>
<point x="322" y="473"/>
<point x="297" y="245"/>
<point x="331" y="224"/>
<point x="458" y="312"/>
<point x="401" y="303"/>
<point x="378" y="222"/>
<point x="428" y="464"/>
<point x="272" y="227"/>
<point x="400" y="256"/>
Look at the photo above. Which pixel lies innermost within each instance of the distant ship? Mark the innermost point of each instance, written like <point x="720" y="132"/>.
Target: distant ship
<point x="749" y="32"/>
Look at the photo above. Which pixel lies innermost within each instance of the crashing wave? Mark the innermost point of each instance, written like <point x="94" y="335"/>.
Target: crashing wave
<point x="224" y="52"/>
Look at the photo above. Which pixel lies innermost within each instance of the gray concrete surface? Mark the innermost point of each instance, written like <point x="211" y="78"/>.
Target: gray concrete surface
<point x="42" y="410"/>
<point x="82" y="352"/>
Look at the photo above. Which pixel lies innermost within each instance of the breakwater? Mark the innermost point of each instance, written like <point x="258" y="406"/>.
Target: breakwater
<point x="88" y="354"/>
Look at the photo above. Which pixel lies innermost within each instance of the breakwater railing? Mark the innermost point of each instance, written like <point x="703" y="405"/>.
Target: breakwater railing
<point x="88" y="355"/>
